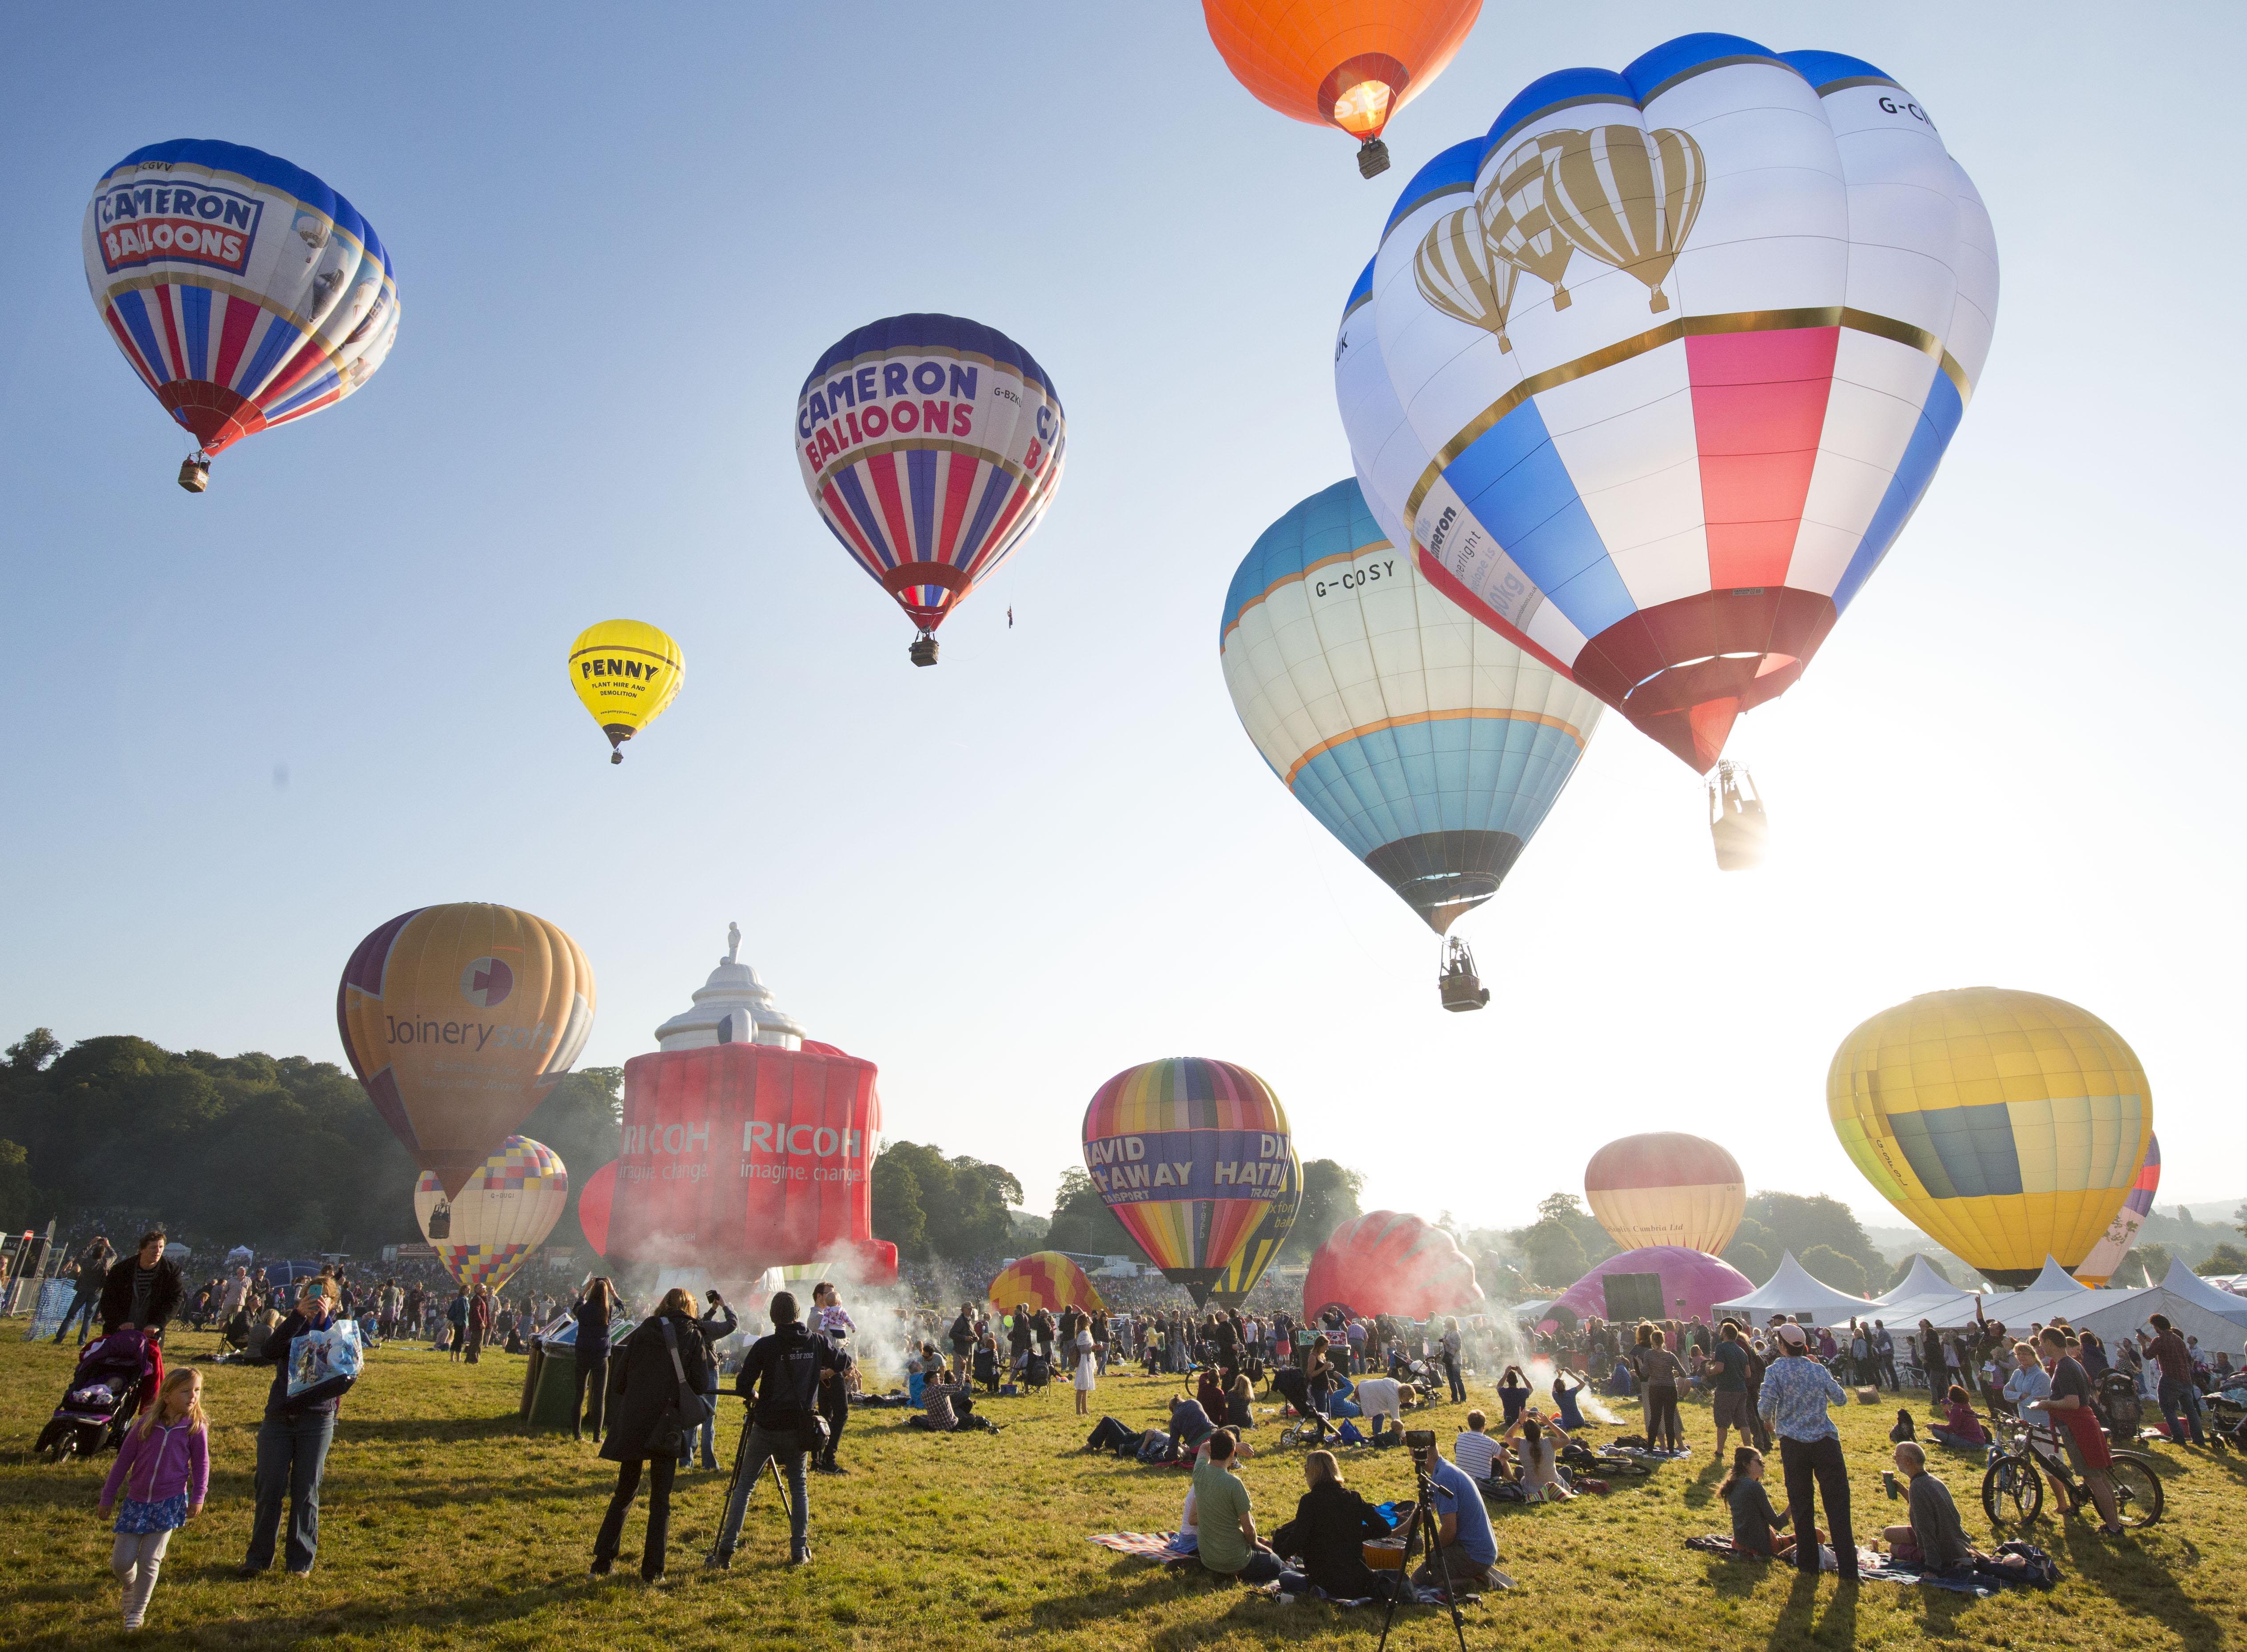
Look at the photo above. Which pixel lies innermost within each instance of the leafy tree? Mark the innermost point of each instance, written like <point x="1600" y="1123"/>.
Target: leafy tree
<point x="1082" y="1221"/>
<point x="897" y="1207"/>
<point x="2239" y="1218"/>
<point x="1830" y="1266"/>
<point x="582" y="1119"/>
<point x="1800" y="1224"/>
<point x="2224" y="1259"/>
<point x="1029" y="1231"/>
<point x="1903" y="1271"/>
<point x="1752" y="1260"/>
<point x="20" y="1206"/>
<point x="1555" y="1258"/>
<point x="2152" y="1259"/>
<point x="1329" y="1199"/>
<point x="34" y="1050"/>
<point x="962" y="1202"/>
<point x="1568" y="1210"/>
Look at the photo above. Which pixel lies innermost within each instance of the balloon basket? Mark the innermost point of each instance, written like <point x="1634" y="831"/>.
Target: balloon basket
<point x="195" y="475"/>
<point x="1372" y="158"/>
<point x="923" y="652"/>
<point x="1737" y="824"/>
<point x="616" y="757"/>
<point x="1460" y="987"/>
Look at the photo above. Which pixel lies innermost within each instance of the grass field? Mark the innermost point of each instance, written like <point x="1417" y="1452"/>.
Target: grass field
<point x="444" y="1523"/>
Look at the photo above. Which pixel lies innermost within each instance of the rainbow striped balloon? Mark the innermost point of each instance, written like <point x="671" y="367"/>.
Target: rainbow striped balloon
<point x="1190" y="1154"/>
<point x="504" y="1212"/>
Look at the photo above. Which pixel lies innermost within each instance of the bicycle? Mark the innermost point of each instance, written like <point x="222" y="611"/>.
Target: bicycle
<point x="2013" y="1486"/>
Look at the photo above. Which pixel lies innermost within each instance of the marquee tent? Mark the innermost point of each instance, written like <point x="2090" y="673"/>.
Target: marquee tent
<point x="1923" y="1280"/>
<point x="1793" y="1292"/>
<point x="2182" y="1281"/>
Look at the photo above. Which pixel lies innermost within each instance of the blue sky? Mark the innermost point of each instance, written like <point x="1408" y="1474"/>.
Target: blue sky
<point x="621" y="239"/>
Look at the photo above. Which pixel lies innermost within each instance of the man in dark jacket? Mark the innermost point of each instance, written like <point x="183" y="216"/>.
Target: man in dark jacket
<point x="86" y="1290"/>
<point x="142" y="1291"/>
<point x="781" y="1379"/>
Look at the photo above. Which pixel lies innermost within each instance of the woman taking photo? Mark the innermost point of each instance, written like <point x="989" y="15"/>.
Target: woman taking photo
<point x="292" y="1445"/>
<point x="592" y="1312"/>
<point x="663" y="1356"/>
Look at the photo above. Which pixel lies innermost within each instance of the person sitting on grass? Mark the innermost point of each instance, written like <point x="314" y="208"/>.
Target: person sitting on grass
<point x="1467" y="1549"/>
<point x="1331" y="1528"/>
<point x="1960" y="1428"/>
<point x="1190" y="1425"/>
<point x="1240" y="1403"/>
<point x="1513" y="1392"/>
<point x="946" y="1407"/>
<point x="1756" y="1524"/>
<point x="1565" y="1387"/>
<point x="1934" y="1541"/>
<point x="1226" y="1523"/>
<point x="1478" y="1451"/>
<point x="1905" y="1429"/>
<point x="1209" y="1390"/>
<point x="1539" y="1452"/>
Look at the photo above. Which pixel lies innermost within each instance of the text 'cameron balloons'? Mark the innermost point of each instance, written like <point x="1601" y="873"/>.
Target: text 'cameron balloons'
<point x="2007" y="1126"/>
<point x="244" y="291"/>
<point x="504" y="1212"/>
<point x="931" y="447"/>
<point x="1190" y="1154"/>
<point x="1044" y="1280"/>
<point x="1665" y="361"/>
<point x="1384" y="1262"/>
<point x="625" y="672"/>
<point x="458" y="1020"/>
<point x="1667" y="1188"/>
<point x="1431" y="746"/>
<point x="1246" y="1268"/>
<point x="1350" y="64"/>
<point x="2122" y="1232"/>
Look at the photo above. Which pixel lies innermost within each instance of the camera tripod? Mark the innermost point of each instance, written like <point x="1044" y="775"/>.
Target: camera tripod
<point x="737" y="1502"/>
<point x="1423" y="1527"/>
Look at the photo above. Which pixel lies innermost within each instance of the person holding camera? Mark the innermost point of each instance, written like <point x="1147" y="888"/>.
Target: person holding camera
<point x="1467" y="1548"/>
<point x="717" y="1322"/>
<point x="780" y="1378"/>
<point x="652" y="1373"/>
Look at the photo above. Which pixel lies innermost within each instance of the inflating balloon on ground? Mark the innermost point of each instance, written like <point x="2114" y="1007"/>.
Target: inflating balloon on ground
<point x="1044" y="1280"/>
<point x="1385" y="1262"/>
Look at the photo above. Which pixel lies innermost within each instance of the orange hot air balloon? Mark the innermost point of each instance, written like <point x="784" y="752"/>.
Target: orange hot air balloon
<point x="1667" y="1188"/>
<point x="1350" y="64"/>
<point x="458" y="1020"/>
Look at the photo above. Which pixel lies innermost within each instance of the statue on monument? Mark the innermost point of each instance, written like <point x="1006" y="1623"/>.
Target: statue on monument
<point x="733" y="943"/>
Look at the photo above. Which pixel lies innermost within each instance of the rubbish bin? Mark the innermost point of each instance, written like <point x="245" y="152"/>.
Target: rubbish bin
<point x="537" y="1357"/>
<point x="554" y="1396"/>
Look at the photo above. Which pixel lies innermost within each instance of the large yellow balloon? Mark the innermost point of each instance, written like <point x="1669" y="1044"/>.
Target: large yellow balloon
<point x="625" y="672"/>
<point x="2008" y="1126"/>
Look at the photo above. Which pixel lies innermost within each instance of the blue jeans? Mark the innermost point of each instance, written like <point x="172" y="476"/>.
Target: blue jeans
<point x="291" y="1451"/>
<point x="2181" y="1407"/>
<point x="82" y="1303"/>
<point x="1264" y="1566"/>
<point x="763" y="1445"/>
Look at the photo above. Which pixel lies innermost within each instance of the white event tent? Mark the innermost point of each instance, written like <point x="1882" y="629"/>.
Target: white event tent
<point x="2182" y="1281"/>
<point x="1793" y="1291"/>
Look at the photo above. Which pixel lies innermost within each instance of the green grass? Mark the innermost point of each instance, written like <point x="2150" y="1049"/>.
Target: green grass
<point x="444" y="1523"/>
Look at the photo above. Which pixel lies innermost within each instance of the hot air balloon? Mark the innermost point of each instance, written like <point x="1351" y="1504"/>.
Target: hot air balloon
<point x="2122" y="1232"/>
<point x="1247" y="1269"/>
<point x="1431" y="746"/>
<point x="1746" y="297"/>
<point x="458" y="1021"/>
<point x="625" y="672"/>
<point x="931" y="447"/>
<point x="505" y="1210"/>
<point x="1654" y="1281"/>
<point x="1045" y="1279"/>
<point x="1351" y="63"/>
<point x="1666" y="1188"/>
<point x="244" y="290"/>
<point x="2007" y="1126"/>
<point x="1189" y="1153"/>
<point x="1384" y="1262"/>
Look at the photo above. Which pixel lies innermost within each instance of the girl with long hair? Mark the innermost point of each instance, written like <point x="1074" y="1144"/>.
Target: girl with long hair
<point x="157" y="1484"/>
<point x="1756" y="1524"/>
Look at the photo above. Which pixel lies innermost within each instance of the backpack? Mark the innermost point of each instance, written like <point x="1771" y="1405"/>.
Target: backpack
<point x="1155" y="1447"/>
<point x="2043" y="1570"/>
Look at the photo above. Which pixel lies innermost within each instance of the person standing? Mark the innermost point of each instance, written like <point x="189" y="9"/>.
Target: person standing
<point x="1797" y="1392"/>
<point x="831" y="1321"/>
<point x="1451" y="1374"/>
<point x="1884" y="1353"/>
<point x="1087" y="1368"/>
<point x="963" y="1339"/>
<point x="85" y="1288"/>
<point x="1664" y="1375"/>
<point x="781" y="1379"/>
<point x="157" y="1484"/>
<point x="292" y="1445"/>
<point x="456" y="1317"/>
<point x="663" y="1354"/>
<point x="143" y="1291"/>
<point x="1728" y="1372"/>
<point x="592" y="1312"/>
<point x="716" y="1324"/>
<point x="2179" y="1393"/>
<point x="2068" y="1406"/>
<point x="480" y="1322"/>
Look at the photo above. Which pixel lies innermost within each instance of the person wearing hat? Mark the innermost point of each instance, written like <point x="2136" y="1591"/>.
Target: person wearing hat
<point x="1797" y="1392"/>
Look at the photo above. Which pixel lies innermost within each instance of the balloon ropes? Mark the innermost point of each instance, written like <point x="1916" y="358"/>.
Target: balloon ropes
<point x="1350" y="64"/>
<point x="458" y="1020"/>
<point x="1682" y="348"/>
<point x="2122" y="1232"/>
<point x="1245" y="1270"/>
<point x="1666" y="1188"/>
<point x="1431" y="746"/>
<point x="244" y="290"/>
<point x="1189" y="1153"/>
<point x="625" y="672"/>
<point x="503" y="1213"/>
<point x="1044" y="1280"/>
<point x="931" y="447"/>
<point x="2006" y="1126"/>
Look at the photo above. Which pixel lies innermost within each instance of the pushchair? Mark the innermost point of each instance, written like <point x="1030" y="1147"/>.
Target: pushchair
<point x="115" y="1373"/>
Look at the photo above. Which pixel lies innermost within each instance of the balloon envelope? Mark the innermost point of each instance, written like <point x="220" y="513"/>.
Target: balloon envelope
<point x="243" y="291"/>
<point x="2122" y="1232"/>
<point x="2006" y="1125"/>
<point x="1428" y="744"/>
<point x="1246" y="1268"/>
<point x="458" y="1020"/>
<point x="1660" y="401"/>
<point x="1043" y="1279"/>
<point x="1189" y="1153"/>
<point x="1666" y="1188"/>
<point x="931" y="447"/>
<point x="504" y="1212"/>
<point x="625" y="672"/>
<point x="1384" y="1262"/>
<point x="1702" y="1279"/>
<point x="1350" y="64"/>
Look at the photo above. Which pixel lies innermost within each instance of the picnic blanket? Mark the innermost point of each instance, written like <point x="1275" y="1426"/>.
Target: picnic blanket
<point x="1888" y="1572"/>
<point x="1165" y="1548"/>
<point x="1869" y="1561"/>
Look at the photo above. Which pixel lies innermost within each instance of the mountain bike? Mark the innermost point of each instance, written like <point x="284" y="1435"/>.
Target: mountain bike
<point x="2013" y="1486"/>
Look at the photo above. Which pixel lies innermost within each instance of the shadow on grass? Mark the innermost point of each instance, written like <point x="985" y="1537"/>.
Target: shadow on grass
<point x="441" y="1430"/>
<point x="1704" y="1488"/>
<point x="1800" y="1623"/>
<point x="2142" y="1581"/>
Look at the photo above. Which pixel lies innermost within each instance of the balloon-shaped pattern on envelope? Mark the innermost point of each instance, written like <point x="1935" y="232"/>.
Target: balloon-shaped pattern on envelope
<point x="1654" y="372"/>
<point x="244" y="290"/>
<point x="1429" y="745"/>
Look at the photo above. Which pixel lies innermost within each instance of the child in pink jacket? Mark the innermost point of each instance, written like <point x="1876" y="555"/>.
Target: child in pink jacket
<point x="163" y="1472"/>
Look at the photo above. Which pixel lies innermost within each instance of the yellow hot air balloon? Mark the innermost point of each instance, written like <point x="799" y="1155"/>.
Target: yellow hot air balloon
<point x="625" y="672"/>
<point x="458" y="1021"/>
<point x="504" y="1212"/>
<point x="2008" y="1126"/>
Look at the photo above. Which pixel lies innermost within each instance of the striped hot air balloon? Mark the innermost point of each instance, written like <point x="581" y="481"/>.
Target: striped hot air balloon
<point x="504" y="1211"/>
<point x="1247" y="1269"/>
<point x="1667" y="1188"/>
<point x="1190" y="1154"/>
<point x="2122" y="1232"/>
<point x="1044" y="1280"/>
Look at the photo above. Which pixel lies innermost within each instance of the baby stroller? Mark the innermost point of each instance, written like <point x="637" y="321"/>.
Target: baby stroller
<point x="114" y="1374"/>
